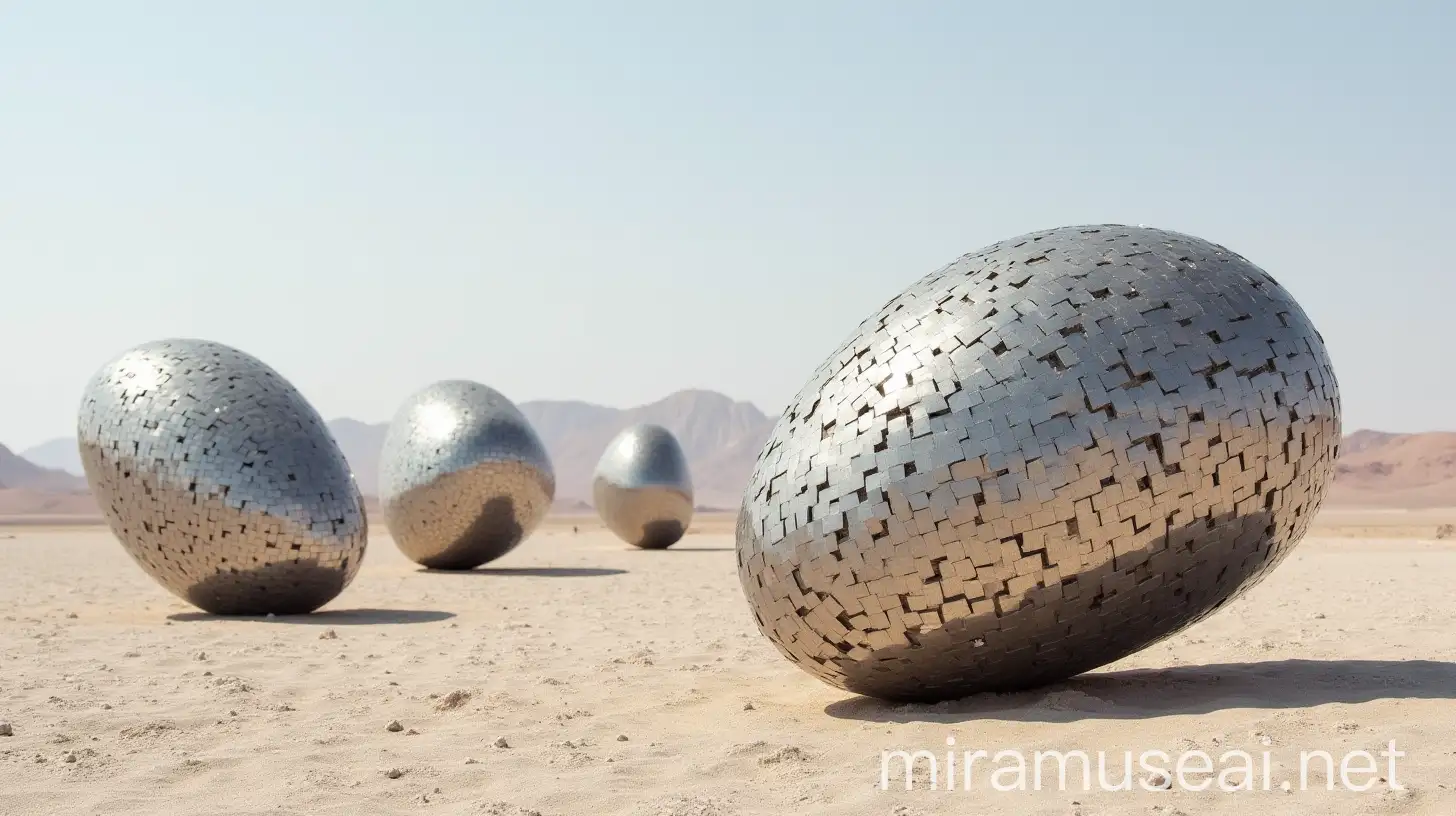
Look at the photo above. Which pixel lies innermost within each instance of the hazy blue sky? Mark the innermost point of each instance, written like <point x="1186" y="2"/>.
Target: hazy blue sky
<point x="612" y="201"/>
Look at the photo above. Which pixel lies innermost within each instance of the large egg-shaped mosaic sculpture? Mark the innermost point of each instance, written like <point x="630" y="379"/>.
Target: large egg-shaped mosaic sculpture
<point x="1041" y="458"/>
<point x="642" y="489"/>
<point x="463" y="476"/>
<point x="220" y="480"/>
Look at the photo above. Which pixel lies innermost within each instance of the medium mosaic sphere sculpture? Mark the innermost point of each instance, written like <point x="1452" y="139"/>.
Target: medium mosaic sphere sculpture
<point x="463" y="476"/>
<point x="642" y="488"/>
<point x="220" y="480"/>
<point x="1041" y="458"/>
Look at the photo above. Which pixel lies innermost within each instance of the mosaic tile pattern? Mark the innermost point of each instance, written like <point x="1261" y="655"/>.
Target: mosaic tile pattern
<point x="642" y="489"/>
<point x="220" y="480"/>
<point x="463" y="477"/>
<point x="1041" y="458"/>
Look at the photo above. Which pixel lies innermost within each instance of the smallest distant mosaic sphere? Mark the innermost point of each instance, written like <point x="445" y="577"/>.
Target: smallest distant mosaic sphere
<point x="464" y="478"/>
<point x="642" y="489"/>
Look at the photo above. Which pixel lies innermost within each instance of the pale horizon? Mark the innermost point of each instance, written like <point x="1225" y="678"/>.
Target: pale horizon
<point x="610" y="205"/>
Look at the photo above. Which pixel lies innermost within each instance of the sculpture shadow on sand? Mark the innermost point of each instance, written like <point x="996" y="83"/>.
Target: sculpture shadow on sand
<point x="329" y="617"/>
<point x="531" y="572"/>
<point x="1147" y="693"/>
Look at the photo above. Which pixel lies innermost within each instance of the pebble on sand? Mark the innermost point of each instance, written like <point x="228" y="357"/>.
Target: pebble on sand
<point x="500" y="742"/>
<point x="453" y="700"/>
<point x="394" y="773"/>
<point x="394" y="726"/>
<point x="6" y="730"/>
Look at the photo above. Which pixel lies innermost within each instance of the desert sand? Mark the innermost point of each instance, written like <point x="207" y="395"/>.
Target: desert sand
<point x="579" y="676"/>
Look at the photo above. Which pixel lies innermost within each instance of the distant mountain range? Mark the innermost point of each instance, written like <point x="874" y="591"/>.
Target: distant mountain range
<point x="24" y="472"/>
<point x="721" y="438"/>
<point x="1378" y="469"/>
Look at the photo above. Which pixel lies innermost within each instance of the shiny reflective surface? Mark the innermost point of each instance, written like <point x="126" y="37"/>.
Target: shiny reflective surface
<point x="1043" y="457"/>
<point x="220" y="480"/>
<point x="463" y="476"/>
<point x="642" y="489"/>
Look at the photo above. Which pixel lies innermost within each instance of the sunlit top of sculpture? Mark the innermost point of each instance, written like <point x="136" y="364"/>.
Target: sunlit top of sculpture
<point x="642" y="489"/>
<point x="220" y="480"/>
<point x="1042" y="457"/>
<point x="463" y="476"/>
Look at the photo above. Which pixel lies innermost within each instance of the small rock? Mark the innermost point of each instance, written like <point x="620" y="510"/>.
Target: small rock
<point x="411" y="733"/>
<point x="748" y="706"/>
<point x="68" y="756"/>
<point x="621" y="738"/>
<point x="453" y="700"/>
<point x="1319" y="616"/>
<point x="788" y="753"/>
<point x="1161" y="781"/>
<point x="6" y="730"/>
<point x="394" y="726"/>
<point x="72" y="615"/>
<point x="500" y="742"/>
<point x="106" y="706"/>
<point x="329" y="634"/>
<point x="471" y="761"/>
<point x="200" y="656"/>
<point x="394" y="773"/>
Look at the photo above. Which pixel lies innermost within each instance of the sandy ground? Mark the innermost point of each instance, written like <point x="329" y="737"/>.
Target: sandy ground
<point x="627" y="682"/>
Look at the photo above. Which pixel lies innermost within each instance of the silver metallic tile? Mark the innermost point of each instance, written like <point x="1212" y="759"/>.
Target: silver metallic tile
<point x="642" y="489"/>
<point x="220" y="480"/>
<point x="1043" y="457"/>
<point x="463" y="477"/>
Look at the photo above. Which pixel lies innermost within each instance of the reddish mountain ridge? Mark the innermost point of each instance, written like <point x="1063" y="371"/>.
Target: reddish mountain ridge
<point x="1378" y="469"/>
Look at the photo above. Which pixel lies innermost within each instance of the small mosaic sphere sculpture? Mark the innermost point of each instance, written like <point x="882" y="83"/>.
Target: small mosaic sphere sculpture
<point x="220" y="480"/>
<point x="463" y="477"/>
<point x="642" y="489"/>
<point x="1036" y="460"/>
